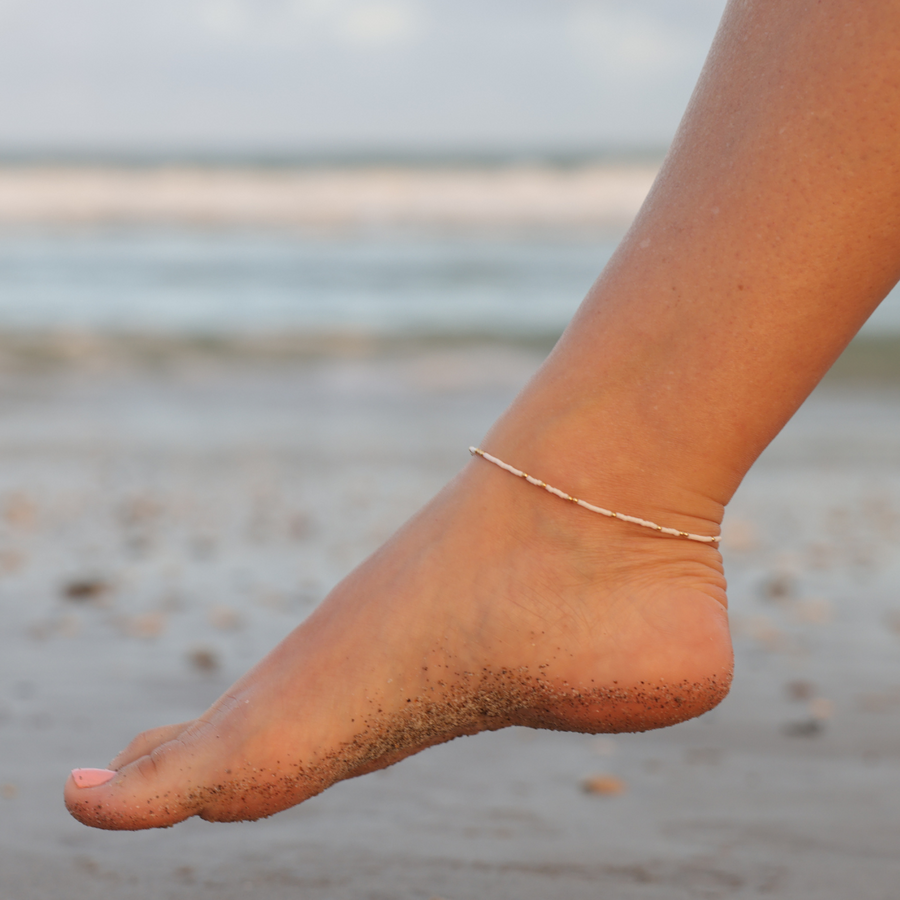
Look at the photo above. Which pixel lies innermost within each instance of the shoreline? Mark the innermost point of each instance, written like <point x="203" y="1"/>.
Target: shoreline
<point x="869" y="360"/>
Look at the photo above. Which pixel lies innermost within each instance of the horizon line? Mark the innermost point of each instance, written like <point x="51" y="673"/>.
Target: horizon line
<point x="423" y="157"/>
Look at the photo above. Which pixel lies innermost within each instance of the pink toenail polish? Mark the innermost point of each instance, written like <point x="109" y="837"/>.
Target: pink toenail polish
<point x="85" y="778"/>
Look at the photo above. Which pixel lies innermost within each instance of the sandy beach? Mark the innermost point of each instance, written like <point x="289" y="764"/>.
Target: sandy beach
<point x="165" y="523"/>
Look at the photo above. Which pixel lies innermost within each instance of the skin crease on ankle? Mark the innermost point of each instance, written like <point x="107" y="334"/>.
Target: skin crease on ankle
<point x="769" y="237"/>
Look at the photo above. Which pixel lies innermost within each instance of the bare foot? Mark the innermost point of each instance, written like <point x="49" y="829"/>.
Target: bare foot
<point x="497" y="605"/>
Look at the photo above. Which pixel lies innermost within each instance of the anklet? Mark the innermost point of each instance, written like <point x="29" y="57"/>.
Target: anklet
<point x="703" y="539"/>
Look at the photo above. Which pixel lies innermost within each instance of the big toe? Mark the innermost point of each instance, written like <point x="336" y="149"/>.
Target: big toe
<point x="154" y="791"/>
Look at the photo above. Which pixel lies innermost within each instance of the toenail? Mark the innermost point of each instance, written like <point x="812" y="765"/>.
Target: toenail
<point x="86" y="778"/>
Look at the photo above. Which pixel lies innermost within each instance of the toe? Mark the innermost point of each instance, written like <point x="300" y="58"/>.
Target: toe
<point x="152" y="791"/>
<point x="146" y="742"/>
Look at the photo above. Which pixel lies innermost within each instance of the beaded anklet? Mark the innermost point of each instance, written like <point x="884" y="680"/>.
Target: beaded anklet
<point x="703" y="539"/>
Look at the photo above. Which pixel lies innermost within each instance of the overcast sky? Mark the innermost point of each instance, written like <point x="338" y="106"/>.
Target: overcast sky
<point x="352" y="75"/>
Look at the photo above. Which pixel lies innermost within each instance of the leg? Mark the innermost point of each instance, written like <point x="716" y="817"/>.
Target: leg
<point x="771" y="234"/>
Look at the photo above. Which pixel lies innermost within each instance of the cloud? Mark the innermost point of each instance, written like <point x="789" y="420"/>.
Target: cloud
<point x="310" y="75"/>
<point x="378" y="23"/>
<point x="632" y="41"/>
<point x="362" y="23"/>
<point x="224" y="18"/>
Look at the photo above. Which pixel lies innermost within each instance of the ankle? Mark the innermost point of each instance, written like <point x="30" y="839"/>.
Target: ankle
<point x="611" y="468"/>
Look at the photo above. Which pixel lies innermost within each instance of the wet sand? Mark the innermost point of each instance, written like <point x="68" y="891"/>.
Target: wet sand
<point x="163" y="524"/>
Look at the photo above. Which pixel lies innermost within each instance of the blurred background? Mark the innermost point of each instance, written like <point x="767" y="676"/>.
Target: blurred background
<point x="267" y="268"/>
<point x="298" y="77"/>
<point x="227" y="167"/>
<point x="224" y="167"/>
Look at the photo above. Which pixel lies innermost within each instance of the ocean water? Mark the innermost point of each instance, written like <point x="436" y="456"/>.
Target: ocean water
<point x="234" y="282"/>
<point x="230" y="282"/>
